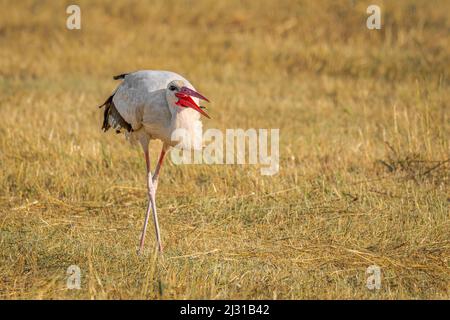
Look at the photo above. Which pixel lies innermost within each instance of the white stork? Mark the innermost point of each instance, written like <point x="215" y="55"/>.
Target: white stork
<point x="152" y="105"/>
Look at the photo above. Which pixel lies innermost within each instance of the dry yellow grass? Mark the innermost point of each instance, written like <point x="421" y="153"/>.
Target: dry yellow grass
<point x="364" y="130"/>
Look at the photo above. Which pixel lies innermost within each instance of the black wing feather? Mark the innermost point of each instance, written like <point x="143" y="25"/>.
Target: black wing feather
<point x="112" y="117"/>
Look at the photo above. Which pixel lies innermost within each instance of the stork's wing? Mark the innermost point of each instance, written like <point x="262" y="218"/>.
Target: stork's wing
<point x="128" y="101"/>
<point x="112" y="118"/>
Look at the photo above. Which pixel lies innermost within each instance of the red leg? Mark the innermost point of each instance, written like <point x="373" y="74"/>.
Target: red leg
<point x="151" y="206"/>
<point x="158" y="166"/>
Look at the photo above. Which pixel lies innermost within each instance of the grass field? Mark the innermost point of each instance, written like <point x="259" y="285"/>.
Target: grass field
<point x="364" y="151"/>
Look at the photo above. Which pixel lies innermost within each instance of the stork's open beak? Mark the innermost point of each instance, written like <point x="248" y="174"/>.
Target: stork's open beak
<point x="185" y="100"/>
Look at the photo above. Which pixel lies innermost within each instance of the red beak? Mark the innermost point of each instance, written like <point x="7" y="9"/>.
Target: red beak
<point x="185" y="100"/>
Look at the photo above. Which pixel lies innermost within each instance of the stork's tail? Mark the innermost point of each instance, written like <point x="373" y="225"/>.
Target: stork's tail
<point x="120" y="76"/>
<point x="112" y="117"/>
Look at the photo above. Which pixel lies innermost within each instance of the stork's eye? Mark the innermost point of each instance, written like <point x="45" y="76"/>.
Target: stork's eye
<point x="172" y="88"/>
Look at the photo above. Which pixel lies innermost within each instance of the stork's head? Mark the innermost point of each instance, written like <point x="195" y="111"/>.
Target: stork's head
<point x="179" y="94"/>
